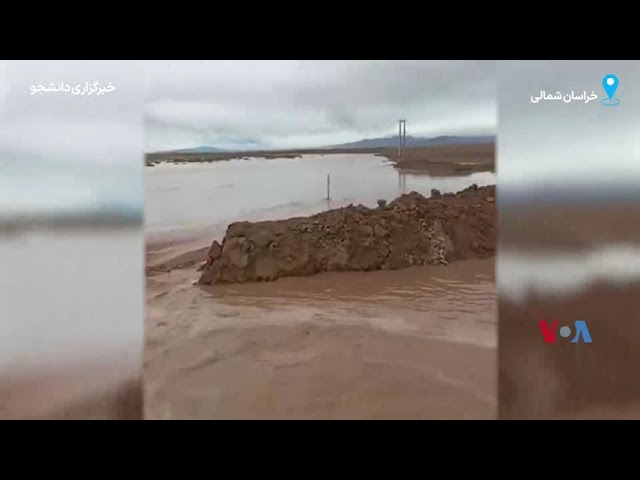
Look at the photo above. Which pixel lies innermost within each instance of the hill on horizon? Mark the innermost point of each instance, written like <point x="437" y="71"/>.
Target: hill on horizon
<point x="367" y="143"/>
<point x="200" y="149"/>
<point x="390" y="142"/>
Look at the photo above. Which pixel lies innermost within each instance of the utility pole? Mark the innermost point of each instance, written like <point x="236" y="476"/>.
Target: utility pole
<point x="399" y="138"/>
<point x="328" y="187"/>
<point x="402" y="136"/>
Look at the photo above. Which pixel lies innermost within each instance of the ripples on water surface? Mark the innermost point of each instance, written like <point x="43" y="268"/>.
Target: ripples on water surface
<point x="414" y="343"/>
<point x="454" y="303"/>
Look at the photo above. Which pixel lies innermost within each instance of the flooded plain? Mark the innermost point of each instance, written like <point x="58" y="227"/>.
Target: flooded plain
<point x="184" y="199"/>
<point x="412" y="343"/>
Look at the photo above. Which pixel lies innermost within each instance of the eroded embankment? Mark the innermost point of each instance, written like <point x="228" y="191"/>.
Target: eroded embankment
<point x="411" y="230"/>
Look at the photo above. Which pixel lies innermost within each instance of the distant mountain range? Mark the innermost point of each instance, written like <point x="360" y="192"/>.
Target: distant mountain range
<point x="389" y="142"/>
<point x="368" y="143"/>
<point x="201" y="149"/>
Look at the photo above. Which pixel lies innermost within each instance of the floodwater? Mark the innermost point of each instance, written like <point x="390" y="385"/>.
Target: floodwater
<point x="416" y="343"/>
<point x="561" y="273"/>
<point x="563" y="263"/>
<point x="599" y="286"/>
<point x="209" y="196"/>
<point x="413" y="343"/>
<point x="71" y="296"/>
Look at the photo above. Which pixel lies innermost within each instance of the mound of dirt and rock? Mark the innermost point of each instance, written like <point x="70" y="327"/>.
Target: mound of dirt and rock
<point x="411" y="230"/>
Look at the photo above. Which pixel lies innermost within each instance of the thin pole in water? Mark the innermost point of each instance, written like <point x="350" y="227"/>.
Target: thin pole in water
<point x="328" y="187"/>
<point x="404" y="134"/>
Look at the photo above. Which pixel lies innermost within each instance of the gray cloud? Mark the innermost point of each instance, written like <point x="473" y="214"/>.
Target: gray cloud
<point x="313" y="103"/>
<point x="55" y="126"/>
<point x="55" y="144"/>
<point x="567" y="141"/>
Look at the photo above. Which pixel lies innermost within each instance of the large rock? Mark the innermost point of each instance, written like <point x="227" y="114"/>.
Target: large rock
<point x="411" y="230"/>
<point x="215" y="251"/>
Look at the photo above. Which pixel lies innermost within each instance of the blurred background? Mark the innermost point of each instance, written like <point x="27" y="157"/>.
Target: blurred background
<point x="71" y="241"/>
<point x="569" y="247"/>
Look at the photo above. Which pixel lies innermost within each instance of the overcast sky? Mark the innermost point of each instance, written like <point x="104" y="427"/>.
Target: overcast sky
<point x="567" y="141"/>
<point x="242" y="104"/>
<point x="57" y="149"/>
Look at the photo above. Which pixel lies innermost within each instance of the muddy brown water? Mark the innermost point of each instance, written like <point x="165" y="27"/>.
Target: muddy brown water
<point x="597" y="380"/>
<point x="415" y="343"/>
<point x="70" y="316"/>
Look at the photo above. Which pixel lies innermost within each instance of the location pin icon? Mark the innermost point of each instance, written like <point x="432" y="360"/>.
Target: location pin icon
<point x="610" y="84"/>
